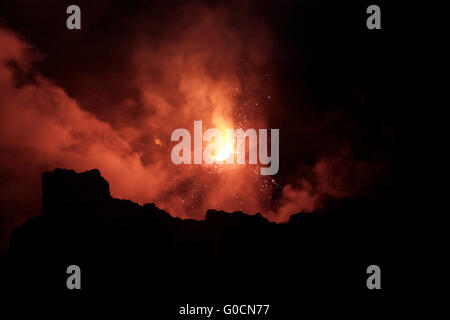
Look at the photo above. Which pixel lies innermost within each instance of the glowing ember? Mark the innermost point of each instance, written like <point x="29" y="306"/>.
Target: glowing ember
<point x="225" y="148"/>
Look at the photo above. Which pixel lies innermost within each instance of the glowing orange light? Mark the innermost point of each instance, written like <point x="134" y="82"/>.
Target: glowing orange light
<point x="226" y="148"/>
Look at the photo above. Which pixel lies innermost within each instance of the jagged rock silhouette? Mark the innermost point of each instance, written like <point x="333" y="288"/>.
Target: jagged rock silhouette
<point x="129" y="250"/>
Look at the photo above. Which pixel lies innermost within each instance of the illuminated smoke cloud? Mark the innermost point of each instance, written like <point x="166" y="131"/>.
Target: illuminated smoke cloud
<point x="194" y="76"/>
<point x="42" y="128"/>
<point x="205" y="64"/>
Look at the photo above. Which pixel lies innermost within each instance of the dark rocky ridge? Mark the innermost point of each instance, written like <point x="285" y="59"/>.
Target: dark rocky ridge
<point x="127" y="250"/>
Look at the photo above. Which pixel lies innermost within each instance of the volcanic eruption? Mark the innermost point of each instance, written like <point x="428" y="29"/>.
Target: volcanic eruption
<point x="111" y="97"/>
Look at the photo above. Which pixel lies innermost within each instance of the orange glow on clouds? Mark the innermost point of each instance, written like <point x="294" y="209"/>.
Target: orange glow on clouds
<point x="197" y="69"/>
